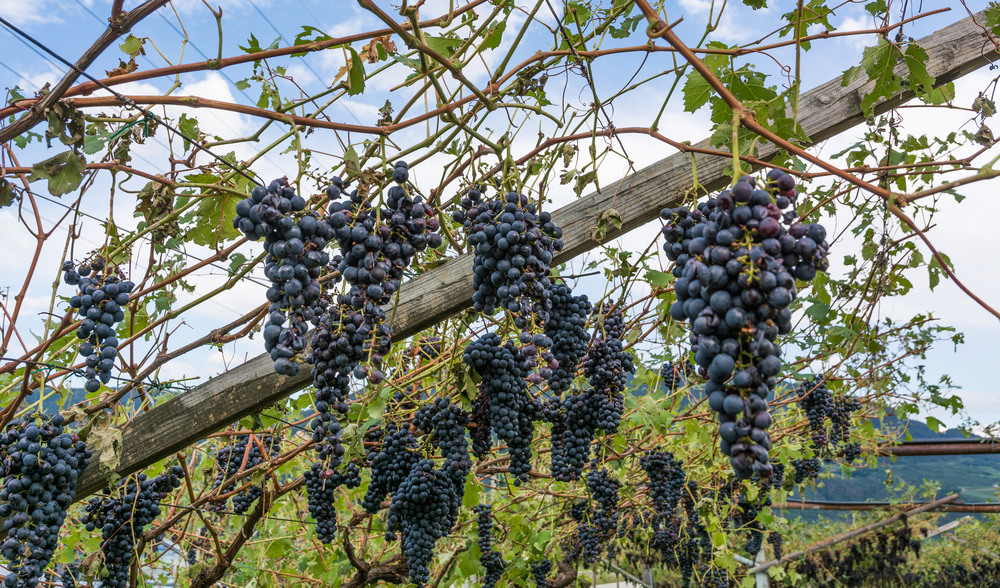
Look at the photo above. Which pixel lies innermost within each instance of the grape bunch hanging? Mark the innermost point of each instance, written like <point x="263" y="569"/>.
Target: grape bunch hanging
<point x="123" y="514"/>
<point x="491" y="560"/>
<point x="353" y="336"/>
<point x="41" y="464"/>
<point x="503" y="405"/>
<point x="514" y="246"/>
<point x="294" y="241"/>
<point x="737" y="257"/>
<point x="321" y="495"/>
<point x="100" y="303"/>
<point x="245" y="453"/>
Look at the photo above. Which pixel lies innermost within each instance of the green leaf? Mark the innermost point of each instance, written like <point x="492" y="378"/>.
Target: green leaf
<point x="659" y="279"/>
<point x="879" y="63"/>
<point x="7" y="194"/>
<point x="132" y="46"/>
<point x="22" y="140"/>
<point x="921" y="81"/>
<point x="818" y="312"/>
<point x="697" y="91"/>
<point x="356" y="75"/>
<point x="64" y="172"/>
<point x="189" y="128"/>
<point x="494" y="35"/>
<point x="446" y="46"/>
<point x="253" y="45"/>
<point x="306" y="37"/>
<point x="236" y="260"/>
<point x="242" y="84"/>
<point x="935" y="425"/>
<point x="214" y="220"/>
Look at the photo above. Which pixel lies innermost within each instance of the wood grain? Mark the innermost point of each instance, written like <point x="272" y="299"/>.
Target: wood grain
<point x="446" y="290"/>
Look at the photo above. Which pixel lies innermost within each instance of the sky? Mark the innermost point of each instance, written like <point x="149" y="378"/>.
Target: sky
<point x="68" y="27"/>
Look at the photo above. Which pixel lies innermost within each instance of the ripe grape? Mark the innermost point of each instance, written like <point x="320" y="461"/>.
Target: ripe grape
<point x="514" y="248"/>
<point x="41" y="463"/>
<point x="566" y="328"/>
<point x="491" y="560"/>
<point x="321" y="493"/>
<point x="736" y="266"/>
<point x="122" y="516"/>
<point x="100" y="303"/>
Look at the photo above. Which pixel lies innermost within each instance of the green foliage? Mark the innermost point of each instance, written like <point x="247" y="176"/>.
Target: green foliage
<point x="64" y="172"/>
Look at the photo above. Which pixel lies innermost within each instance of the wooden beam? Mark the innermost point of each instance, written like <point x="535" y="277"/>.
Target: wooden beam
<point x="978" y="507"/>
<point x="851" y="534"/>
<point x="446" y="290"/>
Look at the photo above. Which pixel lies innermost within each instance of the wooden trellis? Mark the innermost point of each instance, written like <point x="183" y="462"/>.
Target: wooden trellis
<point x="825" y="111"/>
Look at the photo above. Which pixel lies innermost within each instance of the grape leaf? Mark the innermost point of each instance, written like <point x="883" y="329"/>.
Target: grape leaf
<point x="189" y="128"/>
<point x="356" y="75"/>
<point x="444" y="45"/>
<point x="214" y="219"/>
<point x="697" y="91"/>
<point x="879" y="63"/>
<point x="63" y="171"/>
<point x="6" y="193"/>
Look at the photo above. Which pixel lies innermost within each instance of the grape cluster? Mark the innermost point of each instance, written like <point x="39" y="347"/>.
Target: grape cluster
<point x="574" y="425"/>
<point x="390" y="465"/>
<point x="100" y="303"/>
<point x="376" y="246"/>
<point x="714" y="577"/>
<point x="321" y="493"/>
<point x="503" y="369"/>
<point x="196" y="546"/>
<point x="736" y="266"/>
<point x="566" y="329"/>
<point x="295" y="257"/>
<point x="805" y="469"/>
<point x="41" y="464"/>
<point x="69" y="576"/>
<point x="446" y="424"/>
<point x="775" y="539"/>
<point x="610" y="321"/>
<point x="777" y="479"/>
<point x="491" y="560"/>
<point x="122" y="516"/>
<point x="229" y="462"/>
<point x="817" y="402"/>
<point x="423" y="508"/>
<point x="606" y="366"/>
<point x="514" y="248"/>
<point x="429" y="347"/>
<point x="850" y="452"/>
<point x="880" y="559"/>
<point x="666" y="480"/>
<point x="597" y="525"/>
<point x="540" y="572"/>
<point x="696" y="544"/>
<point x="342" y="341"/>
<point x="675" y="374"/>
<point x="745" y="517"/>
<point x="840" y="418"/>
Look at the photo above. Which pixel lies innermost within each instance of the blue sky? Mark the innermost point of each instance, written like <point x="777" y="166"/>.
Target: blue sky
<point x="69" y="26"/>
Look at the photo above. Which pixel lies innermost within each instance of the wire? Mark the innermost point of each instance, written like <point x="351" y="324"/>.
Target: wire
<point x="126" y="101"/>
<point x="18" y="74"/>
<point x="587" y="76"/>
<point x="80" y="372"/>
<point x="304" y="62"/>
<point x="165" y="246"/>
